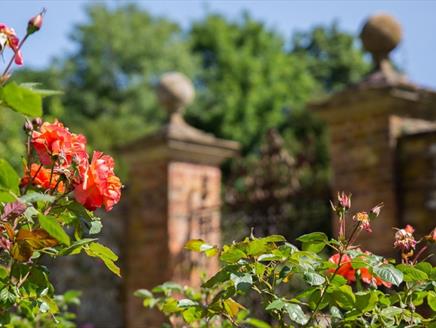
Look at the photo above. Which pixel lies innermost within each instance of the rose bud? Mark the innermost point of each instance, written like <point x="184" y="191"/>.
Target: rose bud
<point x="28" y="126"/>
<point x="35" y="23"/>
<point x="37" y="122"/>
<point x="344" y="200"/>
<point x="431" y="237"/>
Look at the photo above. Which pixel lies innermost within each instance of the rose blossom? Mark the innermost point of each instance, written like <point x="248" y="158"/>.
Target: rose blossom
<point x="347" y="271"/>
<point x="100" y="186"/>
<point x="53" y="140"/>
<point x="404" y="239"/>
<point x="9" y="38"/>
<point x="363" y="218"/>
<point x="40" y="176"/>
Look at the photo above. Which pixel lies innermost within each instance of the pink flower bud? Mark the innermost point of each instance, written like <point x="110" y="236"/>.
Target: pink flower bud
<point x="375" y="211"/>
<point x="344" y="200"/>
<point x="35" y="23"/>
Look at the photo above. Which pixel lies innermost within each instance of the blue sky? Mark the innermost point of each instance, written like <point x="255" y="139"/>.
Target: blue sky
<point x="415" y="54"/>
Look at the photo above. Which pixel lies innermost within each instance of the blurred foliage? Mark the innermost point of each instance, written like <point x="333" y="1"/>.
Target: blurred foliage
<point x="249" y="82"/>
<point x="331" y="56"/>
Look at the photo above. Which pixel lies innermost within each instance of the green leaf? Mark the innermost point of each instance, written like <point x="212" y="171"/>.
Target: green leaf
<point x="343" y="297"/>
<point x="170" y="306"/>
<point x="256" y="323"/>
<point x="144" y="293"/>
<point x="9" y="179"/>
<point x="3" y="272"/>
<point x="103" y="251"/>
<point x="21" y="99"/>
<point x="111" y="266"/>
<point x="276" y="305"/>
<point x="335" y="312"/>
<point x="105" y="254"/>
<point x="232" y="255"/>
<point x="257" y="247"/>
<point x="232" y="307"/>
<point x="273" y="239"/>
<point x="391" y="312"/>
<point x="241" y="281"/>
<point x="424" y="266"/>
<point x="167" y="288"/>
<point x="54" y="229"/>
<point x="42" y="92"/>
<point x="186" y="302"/>
<point x="96" y="227"/>
<point x="411" y="273"/>
<point x="199" y="245"/>
<point x="388" y="273"/>
<point x="76" y="246"/>
<point x="32" y="197"/>
<point x="366" y="301"/>
<point x="192" y="314"/>
<point x="313" y="278"/>
<point x="221" y="276"/>
<point x="313" y="242"/>
<point x="296" y="313"/>
<point x="431" y="300"/>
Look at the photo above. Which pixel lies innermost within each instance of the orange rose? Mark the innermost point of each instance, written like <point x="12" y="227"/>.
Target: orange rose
<point x="40" y="176"/>
<point x="100" y="186"/>
<point x="54" y="140"/>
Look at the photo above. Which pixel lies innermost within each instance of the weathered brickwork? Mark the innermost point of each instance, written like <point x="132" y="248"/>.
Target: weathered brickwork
<point x="364" y="125"/>
<point x="174" y="195"/>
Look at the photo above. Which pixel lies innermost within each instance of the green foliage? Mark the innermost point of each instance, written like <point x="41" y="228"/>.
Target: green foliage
<point x="109" y="80"/>
<point x="244" y="87"/>
<point x="37" y="221"/>
<point x="21" y="99"/>
<point x="62" y="318"/>
<point x="345" y="290"/>
<point x="331" y="56"/>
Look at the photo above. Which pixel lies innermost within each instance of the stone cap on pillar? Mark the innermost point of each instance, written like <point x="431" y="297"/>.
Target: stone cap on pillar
<point x="380" y="35"/>
<point x="177" y="140"/>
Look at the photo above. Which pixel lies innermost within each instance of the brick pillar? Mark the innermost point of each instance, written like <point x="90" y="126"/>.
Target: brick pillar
<point x="173" y="195"/>
<point x="364" y="122"/>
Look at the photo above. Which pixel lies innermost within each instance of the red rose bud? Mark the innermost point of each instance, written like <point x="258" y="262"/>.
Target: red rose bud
<point x="35" y="23"/>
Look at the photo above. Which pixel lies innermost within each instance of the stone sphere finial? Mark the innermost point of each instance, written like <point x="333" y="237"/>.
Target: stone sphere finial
<point x="175" y="91"/>
<point x="380" y="35"/>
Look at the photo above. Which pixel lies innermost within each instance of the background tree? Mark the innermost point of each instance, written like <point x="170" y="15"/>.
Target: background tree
<point x="332" y="56"/>
<point x="248" y="82"/>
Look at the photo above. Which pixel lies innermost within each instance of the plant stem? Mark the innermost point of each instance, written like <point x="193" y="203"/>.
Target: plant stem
<point x="341" y="255"/>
